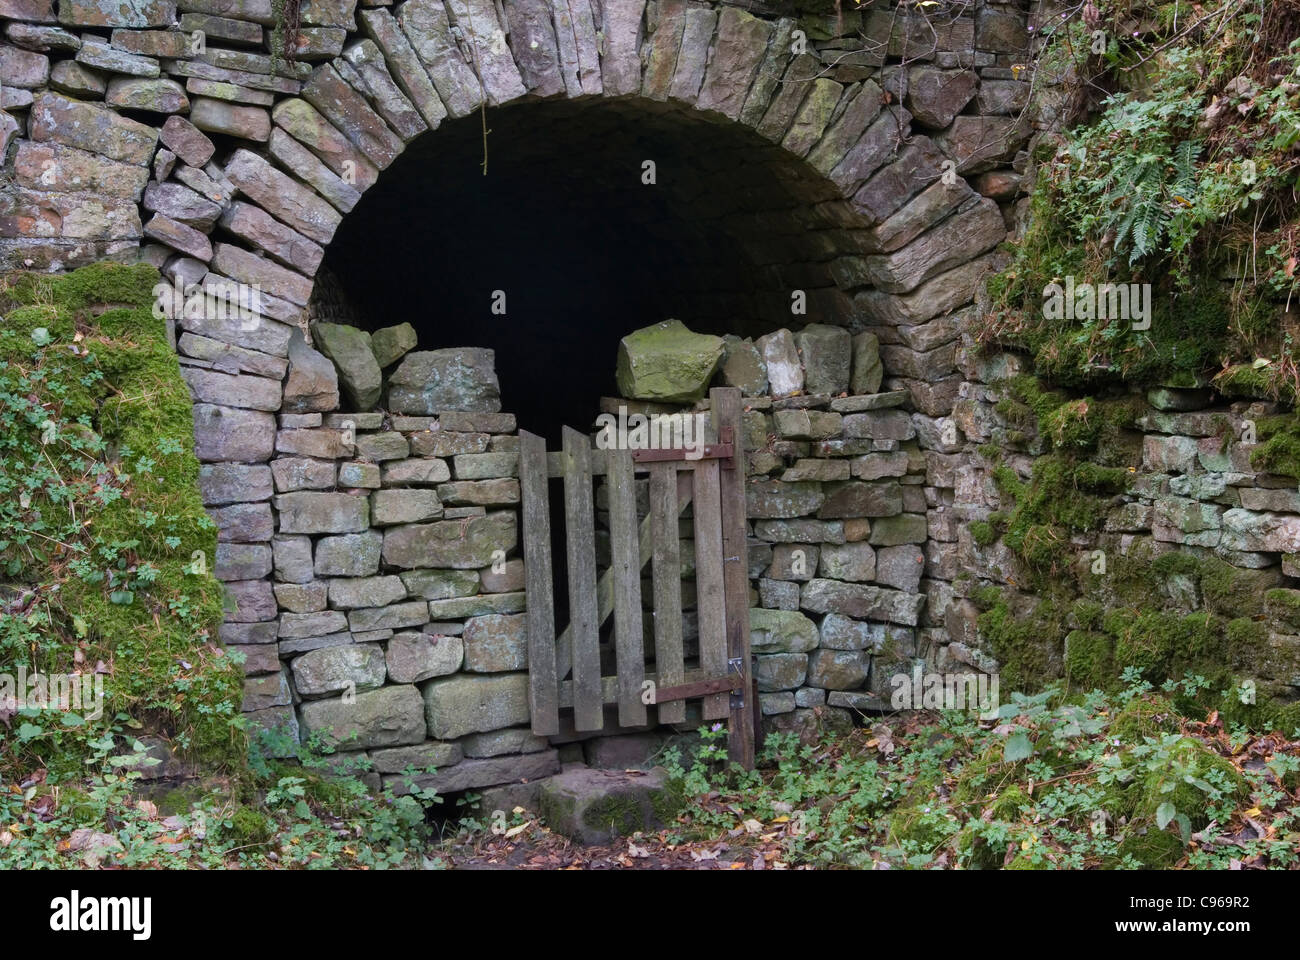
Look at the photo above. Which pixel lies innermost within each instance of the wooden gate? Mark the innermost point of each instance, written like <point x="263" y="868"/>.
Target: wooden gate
<point x="565" y="671"/>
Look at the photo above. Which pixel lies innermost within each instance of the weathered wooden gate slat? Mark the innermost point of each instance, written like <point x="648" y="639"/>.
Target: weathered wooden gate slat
<point x="735" y="566"/>
<point x="666" y="568"/>
<point x="605" y="587"/>
<point x="710" y="598"/>
<point x="543" y="689"/>
<point x="580" y="545"/>
<point x="625" y="585"/>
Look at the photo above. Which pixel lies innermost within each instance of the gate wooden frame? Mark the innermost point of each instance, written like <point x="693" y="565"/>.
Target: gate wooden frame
<point x="714" y="481"/>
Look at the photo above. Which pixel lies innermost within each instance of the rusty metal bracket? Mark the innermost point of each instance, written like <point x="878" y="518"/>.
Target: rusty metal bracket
<point x="698" y="688"/>
<point x="735" y="667"/>
<point x="709" y="451"/>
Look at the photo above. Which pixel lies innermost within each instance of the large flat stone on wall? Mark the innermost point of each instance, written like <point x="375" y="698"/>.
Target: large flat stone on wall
<point x="471" y="774"/>
<point x="496" y="67"/>
<point x="738" y="50"/>
<point x="91" y="127"/>
<point x="620" y="63"/>
<point x="496" y="643"/>
<point x="223" y="483"/>
<point x="385" y="88"/>
<point x="117" y="13"/>
<point x="227" y="433"/>
<point x="427" y="27"/>
<point x="63" y="169"/>
<point x="781" y="631"/>
<point x="963" y="236"/>
<point x="464" y="704"/>
<point x="579" y="45"/>
<point x="349" y="554"/>
<point x="386" y="717"/>
<point x="861" y="601"/>
<point x="458" y="544"/>
<point x="311" y="512"/>
<point x="667" y="362"/>
<point x="431" y="381"/>
<point x="333" y="670"/>
<point x="413" y="657"/>
<point x="282" y="197"/>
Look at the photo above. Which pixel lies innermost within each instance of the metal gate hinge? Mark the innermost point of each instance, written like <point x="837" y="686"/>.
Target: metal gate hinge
<point x="736" y="701"/>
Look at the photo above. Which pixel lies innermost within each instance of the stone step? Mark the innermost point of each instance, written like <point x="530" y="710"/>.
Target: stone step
<point x="593" y="807"/>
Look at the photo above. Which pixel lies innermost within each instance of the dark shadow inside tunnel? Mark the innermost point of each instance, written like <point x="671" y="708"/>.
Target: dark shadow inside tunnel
<point x="565" y="234"/>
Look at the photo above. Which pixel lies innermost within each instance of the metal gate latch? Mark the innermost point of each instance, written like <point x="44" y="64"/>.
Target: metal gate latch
<point x="737" y="699"/>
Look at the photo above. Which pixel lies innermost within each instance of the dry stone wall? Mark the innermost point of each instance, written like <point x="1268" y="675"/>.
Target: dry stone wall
<point x="377" y="576"/>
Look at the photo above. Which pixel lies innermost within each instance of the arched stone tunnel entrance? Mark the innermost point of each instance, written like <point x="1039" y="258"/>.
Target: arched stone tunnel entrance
<point x="597" y="217"/>
<point x="594" y="219"/>
<point x="829" y="155"/>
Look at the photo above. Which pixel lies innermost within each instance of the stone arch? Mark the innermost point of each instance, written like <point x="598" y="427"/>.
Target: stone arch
<point x="297" y="152"/>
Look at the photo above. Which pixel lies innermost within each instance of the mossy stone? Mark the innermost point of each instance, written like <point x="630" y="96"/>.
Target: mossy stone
<point x="667" y="362"/>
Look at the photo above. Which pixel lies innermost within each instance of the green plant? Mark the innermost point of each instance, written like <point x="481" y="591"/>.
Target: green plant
<point x="1060" y="781"/>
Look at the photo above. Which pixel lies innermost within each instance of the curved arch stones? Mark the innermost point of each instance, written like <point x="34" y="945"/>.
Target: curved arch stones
<point x="294" y="153"/>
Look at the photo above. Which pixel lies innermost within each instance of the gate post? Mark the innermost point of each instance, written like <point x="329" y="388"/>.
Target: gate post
<point x="726" y="411"/>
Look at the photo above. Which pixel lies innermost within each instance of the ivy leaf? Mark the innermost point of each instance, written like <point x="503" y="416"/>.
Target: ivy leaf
<point x="1165" y="813"/>
<point x="41" y="336"/>
<point x="28" y="731"/>
<point x="121" y="597"/>
<point x="1018" y="747"/>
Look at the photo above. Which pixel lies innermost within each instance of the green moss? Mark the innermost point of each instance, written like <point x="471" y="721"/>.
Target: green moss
<point x="1249" y="380"/>
<point x="668" y="802"/>
<point x="249" y="826"/>
<point x="1143" y="717"/>
<point x="107" y="284"/>
<point x="1062" y="498"/>
<point x="1176" y="563"/>
<point x="1027" y="647"/>
<point x="1189" y="759"/>
<point x="1231" y="591"/>
<point x="178" y="800"/>
<point x="1009" y="802"/>
<point x="1152" y="848"/>
<point x="123" y="589"/>
<point x="983" y="533"/>
<point x="1283" y="605"/>
<point x="921" y="828"/>
<point x="619" y="813"/>
<point x="1087" y="613"/>
<point x="1089" y="660"/>
<point x="1161" y="644"/>
<point x="983" y="778"/>
<point x="1246" y="633"/>
<point x="1025" y="862"/>
<point x="1279" y="447"/>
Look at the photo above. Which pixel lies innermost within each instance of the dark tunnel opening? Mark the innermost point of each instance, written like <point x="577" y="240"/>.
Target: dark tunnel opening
<point x="583" y="251"/>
